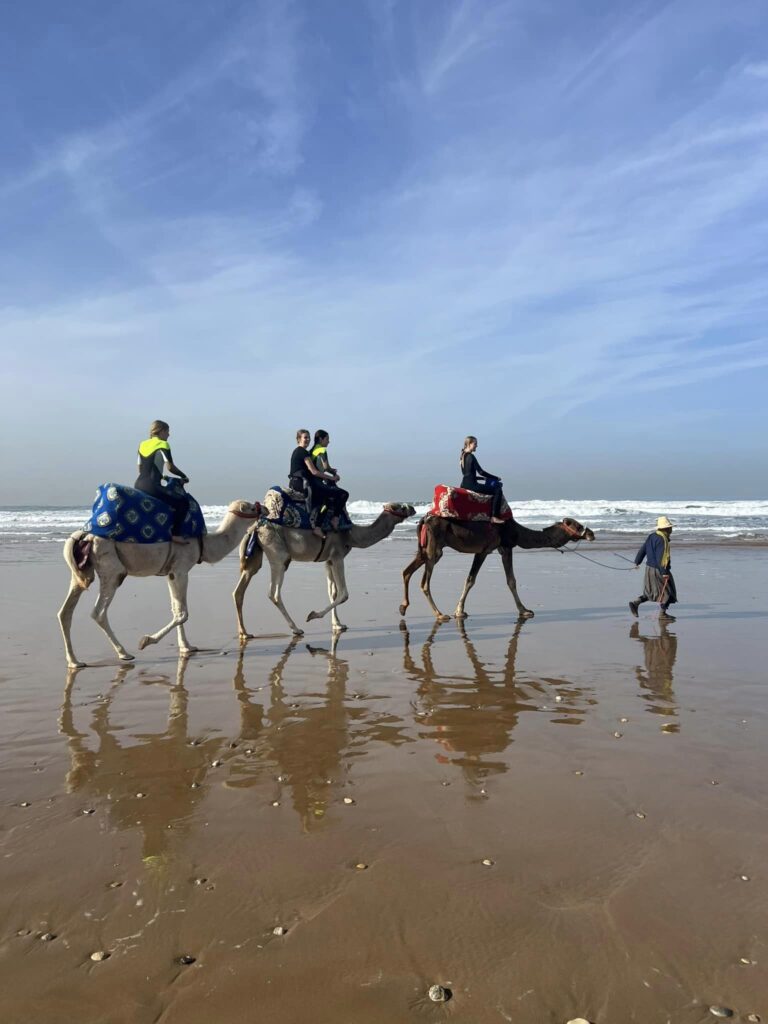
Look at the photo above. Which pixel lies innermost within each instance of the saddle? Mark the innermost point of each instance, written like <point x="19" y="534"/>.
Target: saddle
<point x="285" y="507"/>
<point x="124" y="514"/>
<point x="469" y="506"/>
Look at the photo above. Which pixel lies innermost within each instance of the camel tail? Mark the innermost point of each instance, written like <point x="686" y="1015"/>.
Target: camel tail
<point x="249" y="547"/>
<point x="82" y="573"/>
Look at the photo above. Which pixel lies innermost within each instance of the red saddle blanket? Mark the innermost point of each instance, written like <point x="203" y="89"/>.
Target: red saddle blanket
<point x="459" y="503"/>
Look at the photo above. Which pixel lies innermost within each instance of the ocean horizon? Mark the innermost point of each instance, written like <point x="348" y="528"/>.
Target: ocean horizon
<point x="696" y="520"/>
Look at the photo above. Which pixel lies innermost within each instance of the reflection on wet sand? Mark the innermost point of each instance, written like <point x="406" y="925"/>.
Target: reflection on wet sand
<point x="472" y="717"/>
<point x="307" y="745"/>
<point x="660" y="653"/>
<point x="151" y="783"/>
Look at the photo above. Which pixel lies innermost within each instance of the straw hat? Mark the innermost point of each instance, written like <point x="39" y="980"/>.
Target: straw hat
<point x="662" y="523"/>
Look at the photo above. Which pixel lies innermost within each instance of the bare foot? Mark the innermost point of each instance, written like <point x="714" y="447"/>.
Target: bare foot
<point x="497" y="520"/>
<point x="179" y="540"/>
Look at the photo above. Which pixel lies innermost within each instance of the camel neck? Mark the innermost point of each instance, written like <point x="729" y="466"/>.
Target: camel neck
<point x="366" y="536"/>
<point x="219" y="544"/>
<point x="550" y="537"/>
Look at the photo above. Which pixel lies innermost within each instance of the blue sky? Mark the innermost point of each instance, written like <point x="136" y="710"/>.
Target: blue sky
<point x="543" y="223"/>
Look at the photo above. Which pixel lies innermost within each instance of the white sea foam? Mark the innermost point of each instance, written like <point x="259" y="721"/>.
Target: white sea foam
<point x="693" y="518"/>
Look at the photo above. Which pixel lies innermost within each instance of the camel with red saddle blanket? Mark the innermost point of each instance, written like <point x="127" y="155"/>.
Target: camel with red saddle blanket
<point x="461" y="520"/>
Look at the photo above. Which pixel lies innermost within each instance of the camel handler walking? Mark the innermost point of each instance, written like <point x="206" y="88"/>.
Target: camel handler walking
<point x="659" y="583"/>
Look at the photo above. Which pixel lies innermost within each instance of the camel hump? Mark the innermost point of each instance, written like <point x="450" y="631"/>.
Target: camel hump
<point x="468" y="506"/>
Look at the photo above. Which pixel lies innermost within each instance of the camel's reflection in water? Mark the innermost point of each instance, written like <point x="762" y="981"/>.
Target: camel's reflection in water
<point x="150" y="782"/>
<point x="472" y="715"/>
<point x="300" y="732"/>
<point x="656" y="676"/>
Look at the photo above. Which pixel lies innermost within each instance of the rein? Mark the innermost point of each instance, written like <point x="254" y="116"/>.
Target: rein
<point x="246" y="515"/>
<point x="569" y="529"/>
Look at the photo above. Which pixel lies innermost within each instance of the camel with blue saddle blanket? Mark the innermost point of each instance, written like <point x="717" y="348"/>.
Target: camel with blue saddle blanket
<point x="284" y="544"/>
<point x="97" y="551"/>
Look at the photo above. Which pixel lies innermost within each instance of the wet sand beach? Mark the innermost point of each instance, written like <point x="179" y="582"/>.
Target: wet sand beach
<point x="555" y="819"/>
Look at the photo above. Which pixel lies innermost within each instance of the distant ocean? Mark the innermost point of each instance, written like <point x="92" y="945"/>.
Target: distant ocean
<point x="695" y="520"/>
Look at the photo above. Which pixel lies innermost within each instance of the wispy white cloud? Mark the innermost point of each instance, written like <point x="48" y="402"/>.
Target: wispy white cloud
<point x="562" y="251"/>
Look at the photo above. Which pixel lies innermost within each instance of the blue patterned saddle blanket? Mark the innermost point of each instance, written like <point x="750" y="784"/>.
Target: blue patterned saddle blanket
<point x="285" y="507"/>
<point x="124" y="514"/>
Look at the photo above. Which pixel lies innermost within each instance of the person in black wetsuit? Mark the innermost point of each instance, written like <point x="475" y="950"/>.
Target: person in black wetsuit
<point x="329" y="493"/>
<point x="154" y="457"/>
<point x="471" y="470"/>
<point x="304" y="476"/>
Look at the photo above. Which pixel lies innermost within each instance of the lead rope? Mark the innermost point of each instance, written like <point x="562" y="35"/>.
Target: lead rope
<point x="616" y="568"/>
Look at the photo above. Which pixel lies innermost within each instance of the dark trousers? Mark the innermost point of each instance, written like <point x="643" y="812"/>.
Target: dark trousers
<point x="179" y="503"/>
<point x="327" y="494"/>
<point x="496" y="493"/>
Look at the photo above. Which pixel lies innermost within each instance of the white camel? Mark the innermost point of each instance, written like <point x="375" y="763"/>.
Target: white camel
<point x="283" y="545"/>
<point x="112" y="561"/>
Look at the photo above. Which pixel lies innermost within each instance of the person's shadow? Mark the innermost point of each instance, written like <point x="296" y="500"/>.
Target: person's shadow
<point x="656" y="675"/>
<point x="149" y="782"/>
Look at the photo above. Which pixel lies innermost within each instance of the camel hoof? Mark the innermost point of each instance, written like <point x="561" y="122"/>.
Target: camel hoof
<point x="340" y="628"/>
<point x="127" y="657"/>
<point x="527" y="614"/>
<point x="298" y="632"/>
<point x="184" y="652"/>
<point x="76" y="664"/>
<point x="242" y="637"/>
<point x="145" y="642"/>
<point x="312" y="615"/>
<point x="461" y="615"/>
<point x="443" y="618"/>
<point x="403" y="609"/>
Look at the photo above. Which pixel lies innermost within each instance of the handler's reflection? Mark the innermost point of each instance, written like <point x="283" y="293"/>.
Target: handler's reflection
<point x="656" y="679"/>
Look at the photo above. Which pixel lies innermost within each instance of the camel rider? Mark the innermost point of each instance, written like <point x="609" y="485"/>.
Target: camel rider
<point x="328" y="493"/>
<point x="305" y="477"/>
<point x="471" y="470"/>
<point x="154" y="457"/>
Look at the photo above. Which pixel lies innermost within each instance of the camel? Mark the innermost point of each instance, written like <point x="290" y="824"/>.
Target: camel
<point x="283" y="545"/>
<point x="479" y="539"/>
<point x="112" y="561"/>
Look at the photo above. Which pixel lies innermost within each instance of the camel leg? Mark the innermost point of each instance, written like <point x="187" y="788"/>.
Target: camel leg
<point x="179" y="606"/>
<point x="276" y="593"/>
<point x="65" y="621"/>
<point x="336" y="567"/>
<point x="477" y="562"/>
<point x="506" y="561"/>
<point x="426" y="579"/>
<point x="107" y="589"/>
<point x="408" y="571"/>
<point x="338" y="627"/>
<point x="177" y="584"/>
<point x="239" y="595"/>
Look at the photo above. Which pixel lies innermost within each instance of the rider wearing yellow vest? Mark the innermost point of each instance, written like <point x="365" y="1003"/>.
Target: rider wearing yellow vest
<point x="326" y="492"/>
<point x="154" y="457"/>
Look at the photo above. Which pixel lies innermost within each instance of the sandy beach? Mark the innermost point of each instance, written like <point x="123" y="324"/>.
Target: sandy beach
<point x="564" y="818"/>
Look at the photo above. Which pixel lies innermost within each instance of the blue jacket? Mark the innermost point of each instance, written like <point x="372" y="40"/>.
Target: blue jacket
<point x="653" y="551"/>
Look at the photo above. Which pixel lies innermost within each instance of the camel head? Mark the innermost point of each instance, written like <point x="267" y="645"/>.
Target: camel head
<point x="576" y="531"/>
<point x="244" y="509"/>
<point x="400" y="510"/>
